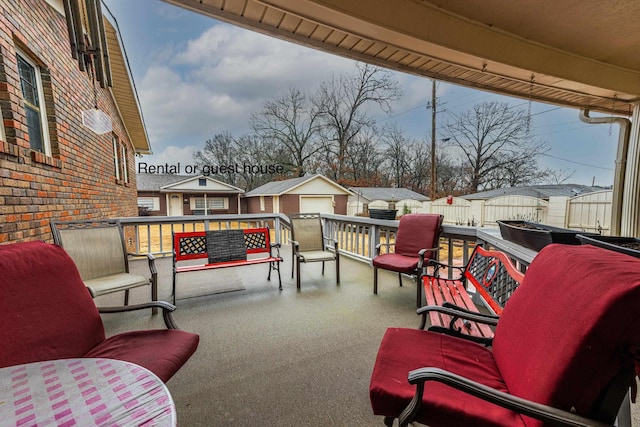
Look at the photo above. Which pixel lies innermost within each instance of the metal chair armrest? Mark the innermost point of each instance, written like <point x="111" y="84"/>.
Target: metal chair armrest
<point x="380" y="245"/>
<point x="546" y="413"/>
<point x="455" y="312"/>
<point x="166" y="307"/>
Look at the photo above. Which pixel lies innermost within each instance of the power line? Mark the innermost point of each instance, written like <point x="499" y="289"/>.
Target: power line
<point x="574" y="162"/>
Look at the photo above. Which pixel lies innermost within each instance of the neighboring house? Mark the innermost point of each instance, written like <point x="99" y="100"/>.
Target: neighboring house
<point x="315" y="193"/>
<point x="402" y="199"/>
<point x="52" y="163"/>
<point x="176" y="195"/>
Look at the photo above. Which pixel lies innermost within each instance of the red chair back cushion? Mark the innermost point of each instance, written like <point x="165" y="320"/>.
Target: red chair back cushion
<point x="417" y="231"/>
<point x="560" y="334"/>
<point x="46" y="311"/>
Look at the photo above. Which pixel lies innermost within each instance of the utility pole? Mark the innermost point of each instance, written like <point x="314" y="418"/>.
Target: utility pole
<point x="432" y="194"/>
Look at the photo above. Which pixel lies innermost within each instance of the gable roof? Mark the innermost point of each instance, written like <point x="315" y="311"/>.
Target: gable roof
<point x="537" y="191"/>
<point x="388" y="193"/>
<point x="277" y="188"/>
<point x="166" y="183"/>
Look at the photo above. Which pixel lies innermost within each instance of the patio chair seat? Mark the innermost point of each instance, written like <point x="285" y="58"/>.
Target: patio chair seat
<point x="114" y="283"/>
<point x="149" y="349"/>
<point x="312" y="256"/>
<point x="404" y="349"/>
<point x="396" y="262"/>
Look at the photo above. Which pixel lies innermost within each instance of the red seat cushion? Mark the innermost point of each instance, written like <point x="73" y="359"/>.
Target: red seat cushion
<point x="46" y="310"/>
<point x="395" y="262"/>
<point x="161" y="351"/>
<point x="558" y="337"/>
<point x="404" y="349"/>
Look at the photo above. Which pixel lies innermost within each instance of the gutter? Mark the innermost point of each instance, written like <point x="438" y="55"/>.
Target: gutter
<point x="621" y="163"/>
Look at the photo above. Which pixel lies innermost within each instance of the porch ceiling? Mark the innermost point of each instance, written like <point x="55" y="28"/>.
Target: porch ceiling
<point x="577" y="53"/>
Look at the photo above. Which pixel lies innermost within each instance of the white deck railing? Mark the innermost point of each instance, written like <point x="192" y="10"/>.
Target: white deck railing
<point x="357" y="236"/>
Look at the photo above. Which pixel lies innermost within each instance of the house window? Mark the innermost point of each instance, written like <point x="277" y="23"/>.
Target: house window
<point x="262" y="203"/>
<point x="116" y="160"/>
<point x="33" y="97"/>
<point x="212" y="203"/>
<point x="149" y="203"/>
<point x="202" y="182"/>
<point x="120" y="160"/>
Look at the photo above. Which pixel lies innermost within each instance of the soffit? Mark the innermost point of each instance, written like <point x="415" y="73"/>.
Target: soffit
<point x="572" y="53"/>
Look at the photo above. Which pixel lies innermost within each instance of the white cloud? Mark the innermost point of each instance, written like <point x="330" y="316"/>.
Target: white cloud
<point x="218" y="80"/>
<point x="172" y="155"/>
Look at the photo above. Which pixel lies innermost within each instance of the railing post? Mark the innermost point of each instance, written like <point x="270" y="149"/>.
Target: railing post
<point x="373" y="240"/>
<point x="278" y="229"/>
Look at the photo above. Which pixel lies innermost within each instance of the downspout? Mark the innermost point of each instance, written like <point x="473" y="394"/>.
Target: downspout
<point x="621" y="163"/>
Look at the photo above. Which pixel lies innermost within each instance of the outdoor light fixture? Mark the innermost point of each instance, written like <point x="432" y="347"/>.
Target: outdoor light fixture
<point x="97" y="120"/>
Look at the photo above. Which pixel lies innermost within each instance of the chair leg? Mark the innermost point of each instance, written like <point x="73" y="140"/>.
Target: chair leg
<point x="270" y="267"/>
<point x="126" y="297"/>
<point x="173" y="288"/>
<point x="375" y="280"/>
<point x="388" y="421"/>
<point x="323" y="268"/>
<point x="337" y="269"/>
<point x="298" y="273"/>
<point x="279" y="277"/>
<point x="400" y="278"/>
<point x="293" y="257"/>
<point x="154" y="291"/>
<point x="419" y="292"/>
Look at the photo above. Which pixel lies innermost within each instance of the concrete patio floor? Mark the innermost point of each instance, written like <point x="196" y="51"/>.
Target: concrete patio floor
<point x="277" y="358"/>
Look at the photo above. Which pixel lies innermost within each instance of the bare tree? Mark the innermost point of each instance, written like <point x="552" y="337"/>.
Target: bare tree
<point x="291" y="123"/>
<point x="492" y="137"/>
<point x="398" y="155"/>
<point x="342" y="104"/>
<point x="365" y="161"/>
<point x="221" y="150"/>
<point x="245" y="162"/>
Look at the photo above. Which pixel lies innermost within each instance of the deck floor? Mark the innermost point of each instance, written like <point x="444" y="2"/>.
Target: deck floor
<point x="277" y="358"/>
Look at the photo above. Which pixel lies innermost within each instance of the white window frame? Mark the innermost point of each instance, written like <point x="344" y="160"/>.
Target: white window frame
<point x="116" y="157"/>
<point x="124" y="163"/>
<point x="211" y="203"/>
<point x="120" y="162"/>
<point x="3" y="136"/>
<point x="151" y="203"/>
<point x="42" y="108"/>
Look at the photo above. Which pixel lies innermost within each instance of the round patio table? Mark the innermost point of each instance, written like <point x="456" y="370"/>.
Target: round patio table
<point x="84" y="392"/>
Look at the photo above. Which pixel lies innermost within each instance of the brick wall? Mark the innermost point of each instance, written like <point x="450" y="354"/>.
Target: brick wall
<point x="78" y="180"/>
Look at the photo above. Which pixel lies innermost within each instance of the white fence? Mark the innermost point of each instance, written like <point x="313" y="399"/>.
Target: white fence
<point x="587" y="212"/>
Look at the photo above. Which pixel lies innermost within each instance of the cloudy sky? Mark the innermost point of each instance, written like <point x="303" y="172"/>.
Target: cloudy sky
<point x="197" y="77"/>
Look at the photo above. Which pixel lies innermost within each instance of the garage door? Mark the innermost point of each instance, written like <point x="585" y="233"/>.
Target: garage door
<point x="316" y="204"/>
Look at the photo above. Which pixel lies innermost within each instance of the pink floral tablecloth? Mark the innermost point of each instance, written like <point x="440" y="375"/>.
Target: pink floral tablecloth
<point x="83" y="392"/>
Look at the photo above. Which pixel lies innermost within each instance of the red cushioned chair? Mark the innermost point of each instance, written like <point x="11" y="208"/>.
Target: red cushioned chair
<point x="416" y="241"/>
<point x="47" y="313"/>
<point x="563" y="353"/>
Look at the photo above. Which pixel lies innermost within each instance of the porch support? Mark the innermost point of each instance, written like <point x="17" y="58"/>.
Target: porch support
<point x="621" y="163"/>
<point x="630" y="224"/>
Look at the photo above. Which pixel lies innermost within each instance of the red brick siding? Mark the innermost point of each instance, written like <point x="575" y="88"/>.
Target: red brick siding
<point x="78" y="180"/>
<point x="289" y="203"/>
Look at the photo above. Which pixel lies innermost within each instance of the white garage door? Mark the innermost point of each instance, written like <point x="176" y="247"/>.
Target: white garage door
<point x="316" y="204"/>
